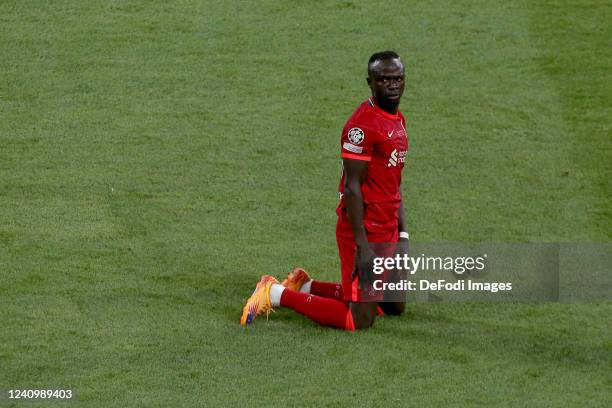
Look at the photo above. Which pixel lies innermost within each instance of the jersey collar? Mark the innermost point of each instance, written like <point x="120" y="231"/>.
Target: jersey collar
<point x="378" y="110"/>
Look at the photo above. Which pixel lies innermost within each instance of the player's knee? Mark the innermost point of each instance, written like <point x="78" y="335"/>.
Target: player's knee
<point x="363" y="315"/>
<point x="393" y="308"/>
<point x="364" y="323"/>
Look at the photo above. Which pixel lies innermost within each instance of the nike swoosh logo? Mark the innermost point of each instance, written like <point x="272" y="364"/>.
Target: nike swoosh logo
<point x="389" y="134"/>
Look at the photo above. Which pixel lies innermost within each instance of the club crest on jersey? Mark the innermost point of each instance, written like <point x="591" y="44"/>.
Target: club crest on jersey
<point x="356" y="135"/>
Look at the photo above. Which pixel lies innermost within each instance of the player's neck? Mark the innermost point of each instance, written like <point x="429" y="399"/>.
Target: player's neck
<point x="390" y="107"/>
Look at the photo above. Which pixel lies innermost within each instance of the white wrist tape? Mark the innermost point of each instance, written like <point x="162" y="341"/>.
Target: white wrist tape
<point x="404" y="234"/>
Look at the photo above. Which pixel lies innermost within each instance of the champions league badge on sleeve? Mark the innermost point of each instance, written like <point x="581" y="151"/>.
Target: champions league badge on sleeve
<point x="356" y="135"/>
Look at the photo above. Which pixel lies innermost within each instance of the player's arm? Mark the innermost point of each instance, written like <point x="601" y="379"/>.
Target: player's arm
<point x="397" y="308"/>
<point x="402" y="248"/>
<point x="401" y="224"/>
<point x="355" y="172"/>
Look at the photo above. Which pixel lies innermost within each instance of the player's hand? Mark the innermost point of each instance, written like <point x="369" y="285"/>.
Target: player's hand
<point x="402" y="247"/>
<point x="396" y="275"/>
<point x="364" y="267"/>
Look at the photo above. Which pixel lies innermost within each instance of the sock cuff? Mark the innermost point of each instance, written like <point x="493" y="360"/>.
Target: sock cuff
<point x="276" y="293"/>
<point x="306" y="287"/>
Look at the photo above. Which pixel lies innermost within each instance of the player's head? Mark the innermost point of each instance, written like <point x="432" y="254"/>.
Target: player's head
<point x="386" y="79"/>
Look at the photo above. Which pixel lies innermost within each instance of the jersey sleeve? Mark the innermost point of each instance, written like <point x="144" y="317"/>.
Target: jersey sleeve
<point x="357" y="142"/>
<point x="403" y="121"/>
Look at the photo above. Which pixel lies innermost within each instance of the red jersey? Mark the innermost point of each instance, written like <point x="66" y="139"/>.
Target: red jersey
<point x="376" y="136"/>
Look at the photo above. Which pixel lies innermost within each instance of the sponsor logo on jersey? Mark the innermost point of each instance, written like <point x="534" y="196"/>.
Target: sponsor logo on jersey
<point x="356" y="135"/>
<point x="352" y="148"/>
<point x="396" y="157"/>
<point x="389" y="134"/>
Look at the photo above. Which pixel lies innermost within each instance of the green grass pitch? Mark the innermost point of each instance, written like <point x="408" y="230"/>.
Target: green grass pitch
<point x="157" y="157"/>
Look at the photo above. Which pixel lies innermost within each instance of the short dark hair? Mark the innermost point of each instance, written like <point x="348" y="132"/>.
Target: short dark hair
<point x="382" y="56"/>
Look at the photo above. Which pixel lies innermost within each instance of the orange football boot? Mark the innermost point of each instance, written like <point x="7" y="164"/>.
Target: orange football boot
<point x="296" y="278"/>
<point x="259" y="302"/>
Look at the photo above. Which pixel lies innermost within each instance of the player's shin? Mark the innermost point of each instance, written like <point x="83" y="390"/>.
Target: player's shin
<point x="327" y="312"/>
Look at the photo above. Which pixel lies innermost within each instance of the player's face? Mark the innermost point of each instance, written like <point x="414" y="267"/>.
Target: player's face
<point x="386" y="80"/>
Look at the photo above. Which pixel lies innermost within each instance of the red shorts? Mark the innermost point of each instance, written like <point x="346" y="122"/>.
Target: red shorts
<point x="347" y="250"/>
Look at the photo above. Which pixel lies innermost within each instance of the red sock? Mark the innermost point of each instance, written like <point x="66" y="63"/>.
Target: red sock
<point x="331" y="290"/>
<point x="325" y="311"/>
